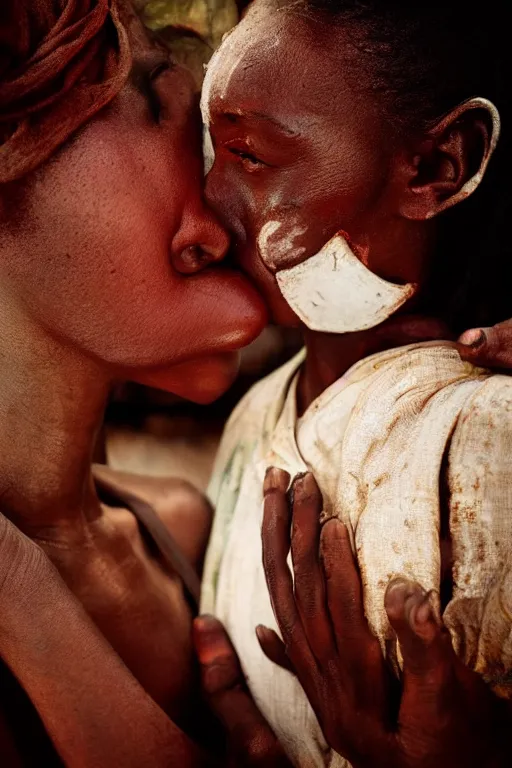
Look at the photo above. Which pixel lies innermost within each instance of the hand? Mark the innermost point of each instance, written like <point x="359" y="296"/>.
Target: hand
<point x="489" y="347"/>
<point x="444" y="715"/>
<point x="250" y="738"/>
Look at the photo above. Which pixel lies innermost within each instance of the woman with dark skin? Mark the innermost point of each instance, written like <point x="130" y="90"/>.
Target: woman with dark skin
<point x="370" y="130"/>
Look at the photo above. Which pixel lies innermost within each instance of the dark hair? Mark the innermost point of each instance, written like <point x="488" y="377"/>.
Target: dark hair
<point x="424" y="58"/>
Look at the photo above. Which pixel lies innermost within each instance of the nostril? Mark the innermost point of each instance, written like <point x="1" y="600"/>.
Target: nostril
<point x="192" y="259"/>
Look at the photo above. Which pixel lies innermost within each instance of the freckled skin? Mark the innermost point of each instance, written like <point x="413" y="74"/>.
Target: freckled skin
<point x="126" y="201"/>
<point x="111" y="270"/>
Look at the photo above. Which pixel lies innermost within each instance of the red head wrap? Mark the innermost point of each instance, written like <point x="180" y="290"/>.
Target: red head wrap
<point x="61" y="61"/>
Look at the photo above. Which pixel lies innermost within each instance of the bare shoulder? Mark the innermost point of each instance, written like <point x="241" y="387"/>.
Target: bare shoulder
<point x="184" y="509"/>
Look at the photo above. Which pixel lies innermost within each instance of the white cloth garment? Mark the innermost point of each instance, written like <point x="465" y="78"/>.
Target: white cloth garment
<point x="380" y="440"/>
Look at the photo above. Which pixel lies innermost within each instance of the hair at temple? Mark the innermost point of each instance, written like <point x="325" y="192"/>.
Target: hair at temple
<point x="423" y="58"/>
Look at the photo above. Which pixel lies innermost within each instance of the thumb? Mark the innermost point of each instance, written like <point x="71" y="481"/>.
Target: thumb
<point x="490" y="347"/>
<point x="251" y="740"/>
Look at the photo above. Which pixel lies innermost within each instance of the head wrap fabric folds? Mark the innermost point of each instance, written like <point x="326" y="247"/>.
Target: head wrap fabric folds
<point x="61" y="61"/>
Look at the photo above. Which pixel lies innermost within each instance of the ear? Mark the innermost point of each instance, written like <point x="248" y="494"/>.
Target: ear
<point x="450" y="162"/>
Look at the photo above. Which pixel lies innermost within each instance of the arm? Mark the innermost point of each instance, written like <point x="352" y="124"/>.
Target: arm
<point x="94" y="710"/>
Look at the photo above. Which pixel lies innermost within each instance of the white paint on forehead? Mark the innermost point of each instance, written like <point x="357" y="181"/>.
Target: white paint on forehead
<point x="276" y="244"/>
<point x="334" y="292"/>
<point x="208" y="150"/>
<point x="206" y="91"/>
<point x="228" y="58"/>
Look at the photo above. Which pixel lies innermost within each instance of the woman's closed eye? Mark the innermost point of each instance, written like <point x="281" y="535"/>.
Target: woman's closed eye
<point x="154" y="100"/>
<point x="248" y="160"/>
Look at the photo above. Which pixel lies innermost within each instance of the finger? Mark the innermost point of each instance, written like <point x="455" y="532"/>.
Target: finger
<point x="490" y="347"/>
<point x="343" y="585"/>
<point x="411" y="616"/>
<point x="430" y="664"/>
<point x="273" y="648"/>
<point x="276" y="545"/>
<point x="309" y="578"/>
<point x="250" y="737"/>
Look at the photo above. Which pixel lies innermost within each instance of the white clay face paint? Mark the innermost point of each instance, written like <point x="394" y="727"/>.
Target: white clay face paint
<point x="334" y="292"/>
<point x="224" y="64"/>
<point x="208" y="150"/>
<point x="276" y="244"/>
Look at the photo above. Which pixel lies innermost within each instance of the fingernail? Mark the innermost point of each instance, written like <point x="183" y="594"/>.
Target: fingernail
<point x="334" y="528"/>
<point x="206" y="623"/>
<point x="275" y="480"/>
<point x="208" y="634"/>
<point x="262" y="632"/>
<point x="413" y="601"/>
<point x="398" y="584"/>
<point x="423" y="612"/>
<point x="473" y="338"/>
<point x="303" y="484"/>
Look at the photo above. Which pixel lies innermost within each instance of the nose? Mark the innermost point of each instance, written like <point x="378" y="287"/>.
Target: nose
<point x="200" y="241"/>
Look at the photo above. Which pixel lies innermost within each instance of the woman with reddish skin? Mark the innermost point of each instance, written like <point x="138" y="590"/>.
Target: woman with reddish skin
<point x="110" y="270"/>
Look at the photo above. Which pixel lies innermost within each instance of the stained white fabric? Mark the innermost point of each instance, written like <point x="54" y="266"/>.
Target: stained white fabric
<point x="380" y="441"/>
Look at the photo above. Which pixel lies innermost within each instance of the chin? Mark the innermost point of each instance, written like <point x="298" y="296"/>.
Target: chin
<point x="201" y="381"/>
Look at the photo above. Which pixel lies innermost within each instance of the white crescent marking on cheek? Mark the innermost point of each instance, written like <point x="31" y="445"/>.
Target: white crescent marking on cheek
<point x="334" y="292"/>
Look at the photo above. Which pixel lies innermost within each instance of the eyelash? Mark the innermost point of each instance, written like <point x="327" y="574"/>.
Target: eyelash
<point x="250" y="162"/>
<point x="155" y="105"/>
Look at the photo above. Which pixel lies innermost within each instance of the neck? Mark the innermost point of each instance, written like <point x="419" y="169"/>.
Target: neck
<point x="51" y="408"/>
<point x="330" y="355"/>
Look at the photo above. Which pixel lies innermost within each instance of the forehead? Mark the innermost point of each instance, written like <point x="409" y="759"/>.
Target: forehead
<point x="279" y="64"/>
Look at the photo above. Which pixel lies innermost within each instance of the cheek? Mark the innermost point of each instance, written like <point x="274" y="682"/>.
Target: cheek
<point x="229" y="196"/>
<point x="114" y="214"/>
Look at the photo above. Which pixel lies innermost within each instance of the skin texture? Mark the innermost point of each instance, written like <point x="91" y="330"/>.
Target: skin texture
<point x="444" y="715"/>
<point x="488" y="346"/>
<point x="117" y="722"/>
<point x="108" y="271"/>
<point x="336" y="163"/>
<point x="61" y="364"/>
<point x="383" y="193"/>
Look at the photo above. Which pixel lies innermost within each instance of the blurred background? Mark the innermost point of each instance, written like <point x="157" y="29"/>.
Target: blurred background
<point x="147" y="431"/>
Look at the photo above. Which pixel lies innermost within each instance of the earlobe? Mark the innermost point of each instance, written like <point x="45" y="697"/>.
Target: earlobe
<point x="451" y="163"/>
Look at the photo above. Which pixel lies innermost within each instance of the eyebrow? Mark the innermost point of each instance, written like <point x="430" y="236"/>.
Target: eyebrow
<point x="252" y="114"/>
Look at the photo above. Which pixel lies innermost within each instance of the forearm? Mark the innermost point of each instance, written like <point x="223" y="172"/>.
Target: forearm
<point x="94" y="710"/>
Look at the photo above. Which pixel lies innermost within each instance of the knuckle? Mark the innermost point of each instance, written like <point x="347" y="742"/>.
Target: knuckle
<point x="259" y="745"/>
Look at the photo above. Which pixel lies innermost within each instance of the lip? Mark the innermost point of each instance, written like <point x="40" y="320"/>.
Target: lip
<point x="236" y="296"/>
<point x="211" y="374"/>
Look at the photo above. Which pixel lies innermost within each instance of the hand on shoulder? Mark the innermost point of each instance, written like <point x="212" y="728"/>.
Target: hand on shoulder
<point x="489" y="347"/>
